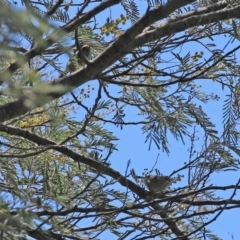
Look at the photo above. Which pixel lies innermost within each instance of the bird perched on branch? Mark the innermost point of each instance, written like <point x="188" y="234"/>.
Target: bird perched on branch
<point x="155" y="183"/>
<point x="76" y="61"/>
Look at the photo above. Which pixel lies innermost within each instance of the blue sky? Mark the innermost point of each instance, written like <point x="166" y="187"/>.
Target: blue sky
<point x="132" y="147"/>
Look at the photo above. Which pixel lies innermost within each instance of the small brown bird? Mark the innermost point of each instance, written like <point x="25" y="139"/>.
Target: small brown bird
<point x="76" y="61"/>
<point x="157" y="183"/>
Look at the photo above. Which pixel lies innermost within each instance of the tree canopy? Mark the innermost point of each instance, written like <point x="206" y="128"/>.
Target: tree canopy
<point x="154" y="66"/>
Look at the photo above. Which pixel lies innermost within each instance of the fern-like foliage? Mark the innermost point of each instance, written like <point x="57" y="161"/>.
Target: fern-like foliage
<point x="229" y="119"/>
<point x="131" y="8"/>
